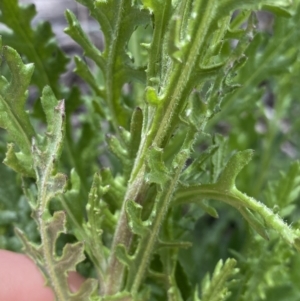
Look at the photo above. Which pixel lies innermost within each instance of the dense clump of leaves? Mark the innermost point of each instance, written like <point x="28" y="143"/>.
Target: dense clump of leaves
<point x="144" y="167"/>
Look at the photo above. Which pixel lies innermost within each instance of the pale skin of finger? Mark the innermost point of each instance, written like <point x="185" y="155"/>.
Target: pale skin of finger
<point x="20" y="279"/>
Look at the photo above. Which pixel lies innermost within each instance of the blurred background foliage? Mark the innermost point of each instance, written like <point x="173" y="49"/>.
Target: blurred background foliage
<point x="263" y="114"/>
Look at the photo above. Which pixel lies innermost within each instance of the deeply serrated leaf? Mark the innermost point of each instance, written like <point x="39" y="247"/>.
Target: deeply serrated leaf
<point x="71" y="256"/>
<point x="13" y="117"/>
<point x="93" y="226"/>
<point x="114" y="61"/>
<point x="272" y="60"/>
<point x="36" y="44"/>
<point x="216" y="287"/>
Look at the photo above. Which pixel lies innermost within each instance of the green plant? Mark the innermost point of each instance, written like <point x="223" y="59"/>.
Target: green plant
<point x="132" y="186"/>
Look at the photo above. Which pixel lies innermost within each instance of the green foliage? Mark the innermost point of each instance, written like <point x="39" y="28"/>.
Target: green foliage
<point x="36" y="44"/>
<point x="13" y="116"/>
<point x="132" y="178"/>
<point x="214" y="288"/>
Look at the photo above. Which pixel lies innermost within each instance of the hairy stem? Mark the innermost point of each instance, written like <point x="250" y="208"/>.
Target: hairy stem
<point x="237" y="199"/>
<point x="123" y="236"/>
<point x="155" y="132"/>
<point x="148" y="242"/>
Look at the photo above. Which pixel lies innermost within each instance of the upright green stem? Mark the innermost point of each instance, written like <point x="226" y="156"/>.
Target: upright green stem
<point x="156" y="130"/>
<point x="123" y="235"/>
<point x="182" y="74"/>
<point x="149" y="241"/>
